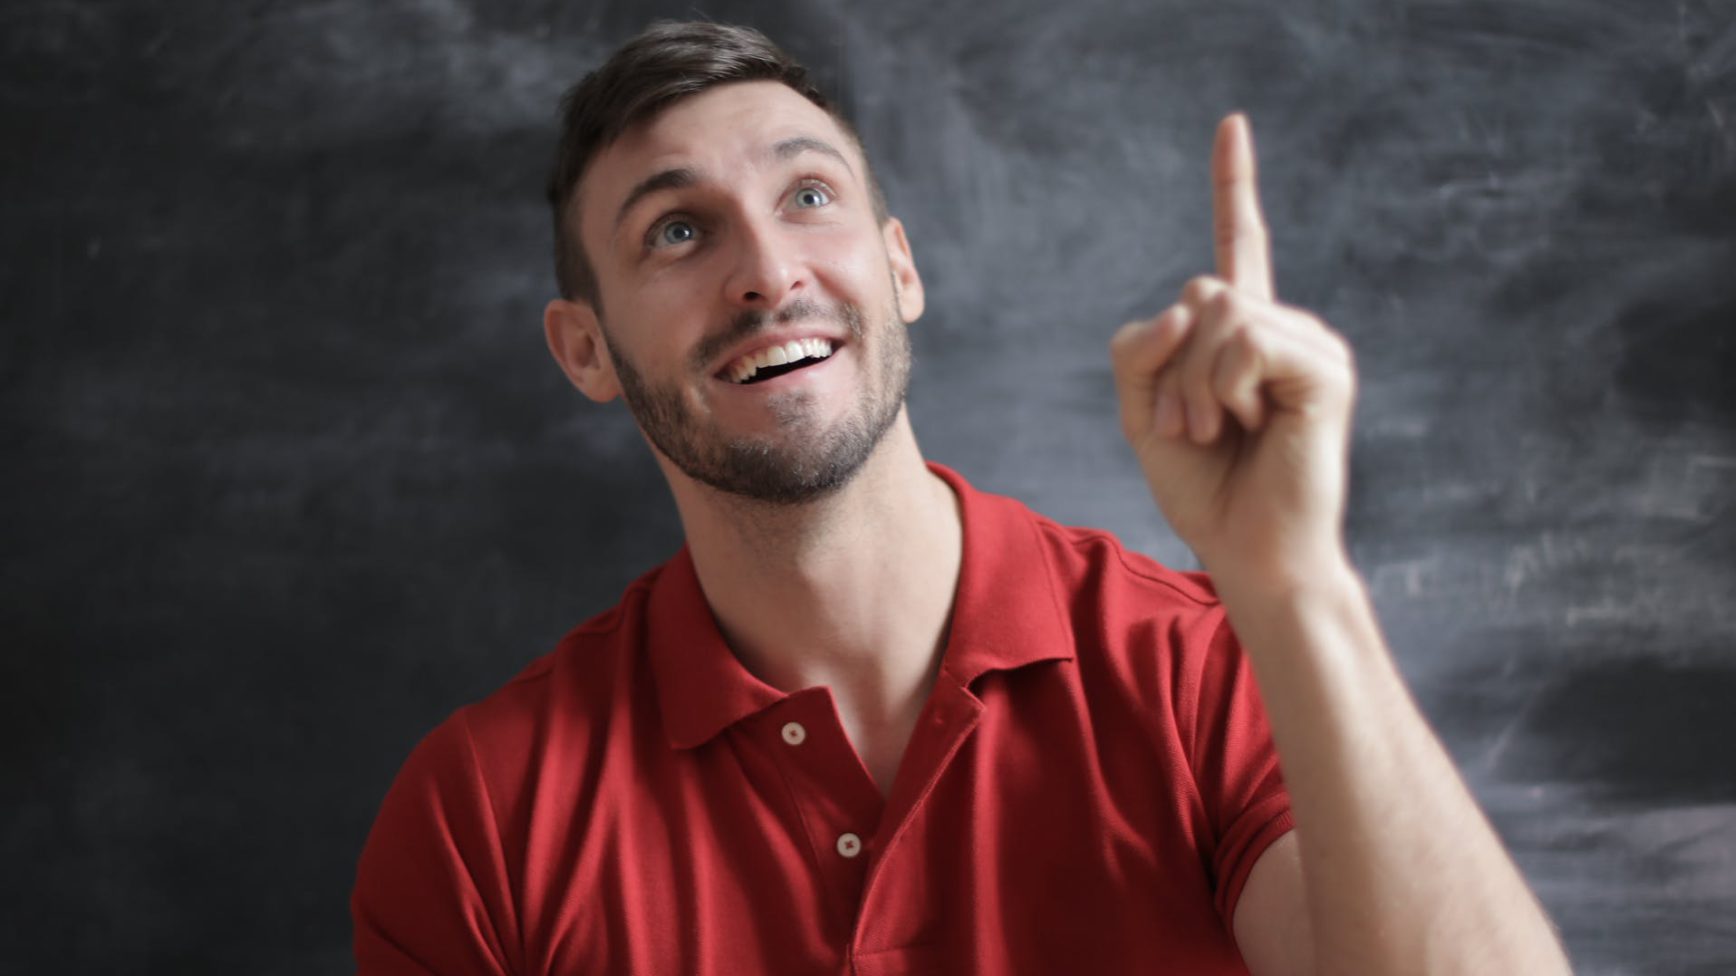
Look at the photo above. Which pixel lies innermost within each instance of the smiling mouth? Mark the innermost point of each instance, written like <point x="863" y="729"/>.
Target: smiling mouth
<point x="777" y="360"/>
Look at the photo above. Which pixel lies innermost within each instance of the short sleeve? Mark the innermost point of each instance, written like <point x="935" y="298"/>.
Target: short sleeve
<point x="1235" y="764"/>
<point x="431" y="894"/>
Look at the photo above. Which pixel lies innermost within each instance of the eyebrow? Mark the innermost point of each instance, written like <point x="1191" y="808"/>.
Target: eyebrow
<point x="669" y="179"/>
<point x="682" y="176"/>
<point x="796" y="145"/>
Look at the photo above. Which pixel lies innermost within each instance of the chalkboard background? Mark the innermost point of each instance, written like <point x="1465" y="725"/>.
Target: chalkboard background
<point x="290" y="476"/>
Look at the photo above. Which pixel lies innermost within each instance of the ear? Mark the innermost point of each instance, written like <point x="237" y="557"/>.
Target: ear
<point x="575" y="339"/>
<point x="911" y="300"/>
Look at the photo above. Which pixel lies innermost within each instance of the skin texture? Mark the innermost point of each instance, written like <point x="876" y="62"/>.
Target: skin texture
<point x="809" y="458"/>
<point x="1237" y="407"/>
<point x="799" y="587"/>
<point x="693" y="238"/>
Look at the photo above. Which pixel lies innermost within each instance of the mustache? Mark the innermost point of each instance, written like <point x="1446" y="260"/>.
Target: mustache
<point x="750" y="321"/>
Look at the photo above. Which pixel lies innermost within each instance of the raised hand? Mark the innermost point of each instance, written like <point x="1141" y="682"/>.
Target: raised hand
<point x="1238" y="407"/>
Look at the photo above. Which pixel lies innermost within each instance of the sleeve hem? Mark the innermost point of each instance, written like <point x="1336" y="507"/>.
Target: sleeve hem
<point x="1277" y="824"/>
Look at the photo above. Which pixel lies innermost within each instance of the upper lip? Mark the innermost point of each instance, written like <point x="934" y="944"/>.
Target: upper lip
<point x="767" y="339"/>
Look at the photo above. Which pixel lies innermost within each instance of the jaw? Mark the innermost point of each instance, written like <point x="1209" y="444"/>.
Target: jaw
<point x="787" y="533"/>
<point x="790" y="440"/>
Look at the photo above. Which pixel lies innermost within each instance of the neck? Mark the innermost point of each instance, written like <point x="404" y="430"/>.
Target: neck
<point x="853" y="591"/>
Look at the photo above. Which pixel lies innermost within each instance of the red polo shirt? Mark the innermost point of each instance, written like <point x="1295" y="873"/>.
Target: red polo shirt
<point x="1086" y="791"/>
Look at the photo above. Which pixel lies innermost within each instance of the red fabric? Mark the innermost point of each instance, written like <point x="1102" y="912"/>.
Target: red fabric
<point x="1087" y="790"/>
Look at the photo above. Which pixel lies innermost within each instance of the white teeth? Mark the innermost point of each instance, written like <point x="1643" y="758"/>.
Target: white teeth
<point x="744" y="368"/>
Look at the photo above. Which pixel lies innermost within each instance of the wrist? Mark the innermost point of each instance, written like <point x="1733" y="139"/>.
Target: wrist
<point x="1319" y="571"/>
<point x="1326" y="615"/>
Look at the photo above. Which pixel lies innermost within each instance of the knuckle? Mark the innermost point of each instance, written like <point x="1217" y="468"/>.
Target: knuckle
<point x="1246" y="340"/>
<point x="1164" y="382"/>
<point x="1236" y="355"/>
<point x="1132" y="430"/>
<point x="1225" y="378"/>
<point x="1317" y="324"/>
<point x="1244" y="230"/>
<point x="1198" y="384"/>
<point x="1199" y="289"/>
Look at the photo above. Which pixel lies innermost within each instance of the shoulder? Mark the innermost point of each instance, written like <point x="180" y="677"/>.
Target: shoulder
<point x="1143" y="632"/>
<point x="1130" y="586"/>
<point x="587" y="673"/>
<point x="558" y="701"/>
<point x="1094" y="580"/>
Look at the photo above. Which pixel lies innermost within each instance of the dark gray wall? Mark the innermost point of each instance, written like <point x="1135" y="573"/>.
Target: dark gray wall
<point x="289" y="475"/>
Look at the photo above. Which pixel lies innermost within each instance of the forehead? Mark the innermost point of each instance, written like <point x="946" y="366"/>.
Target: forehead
<point x="715" y="132"/>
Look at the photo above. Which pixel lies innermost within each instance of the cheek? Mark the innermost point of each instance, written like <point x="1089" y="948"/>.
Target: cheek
<point x="632" y="349"/>
<point x="658" y="322"/>
<point x="853" y="264"/>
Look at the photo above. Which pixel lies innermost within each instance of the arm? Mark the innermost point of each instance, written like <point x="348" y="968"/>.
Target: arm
<point x="1239" y="411"/>
<point x="1400" y="869"/>
<point x="1271" y="924"/>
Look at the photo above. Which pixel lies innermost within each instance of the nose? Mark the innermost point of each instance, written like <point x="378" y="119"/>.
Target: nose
<point x="767" y="269"/>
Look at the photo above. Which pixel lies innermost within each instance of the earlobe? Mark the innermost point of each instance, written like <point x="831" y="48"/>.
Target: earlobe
<point x="911" y="299"/>
<point x="575" y="339"/>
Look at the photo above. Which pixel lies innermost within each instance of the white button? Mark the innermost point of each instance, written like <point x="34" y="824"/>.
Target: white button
<point x="849" y="845"/>
<point x="794" y="734"/>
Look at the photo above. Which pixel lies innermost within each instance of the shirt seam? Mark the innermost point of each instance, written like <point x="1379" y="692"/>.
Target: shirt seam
<point x="1076" y="537"/>
<point x="1191" y="731"/>
<point x="602" y="625"/>
<point x="612" y="620"/>
<point x="615" y="617"/>
<point x="1052" y="585"/>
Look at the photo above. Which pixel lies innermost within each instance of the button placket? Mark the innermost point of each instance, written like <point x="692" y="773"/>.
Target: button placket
<point x="839" y="807"/>
<point x="955" y="714"/>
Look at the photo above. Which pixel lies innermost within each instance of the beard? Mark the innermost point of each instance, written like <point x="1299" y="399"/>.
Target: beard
<point x="804" y="460"/>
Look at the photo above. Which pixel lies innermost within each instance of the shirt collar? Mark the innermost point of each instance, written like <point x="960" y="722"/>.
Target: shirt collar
<point x="1006" y="614"/>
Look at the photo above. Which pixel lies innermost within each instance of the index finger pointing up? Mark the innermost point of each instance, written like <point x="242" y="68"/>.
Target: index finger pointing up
<point x="1244" y="257"/>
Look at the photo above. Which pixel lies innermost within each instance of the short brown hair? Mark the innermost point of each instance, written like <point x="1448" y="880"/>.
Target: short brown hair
<point x="668" y="61"/>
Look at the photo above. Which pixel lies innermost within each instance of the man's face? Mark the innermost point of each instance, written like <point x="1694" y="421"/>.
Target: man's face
<point x="734" y="231"/>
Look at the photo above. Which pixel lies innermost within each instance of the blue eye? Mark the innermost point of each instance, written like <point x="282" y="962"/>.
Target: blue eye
<point x="812" y="196"/>
<point x="672" y="233"/>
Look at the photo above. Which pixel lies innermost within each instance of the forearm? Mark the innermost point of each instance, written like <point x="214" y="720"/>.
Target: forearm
<point x="1403" y="872"/>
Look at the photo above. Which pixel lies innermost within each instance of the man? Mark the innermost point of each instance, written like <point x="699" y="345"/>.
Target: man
<point x="871" y="720"/>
